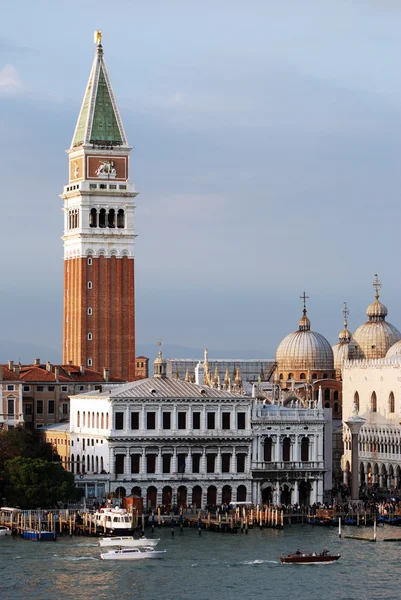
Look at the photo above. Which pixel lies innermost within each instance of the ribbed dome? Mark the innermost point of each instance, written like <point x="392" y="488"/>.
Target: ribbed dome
<point x="343" y="351"/>
<point x="395" y="350"/>
<point x="304" y="349"/>
<point x="374" y="338"/>
<point x="376" y="311"/>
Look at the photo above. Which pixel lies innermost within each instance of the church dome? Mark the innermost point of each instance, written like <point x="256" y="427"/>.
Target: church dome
<point x="374" y="338"/>
<point x="304" y="349"/>
<point x="395" y="350"/>
<point x="346" y="347"/>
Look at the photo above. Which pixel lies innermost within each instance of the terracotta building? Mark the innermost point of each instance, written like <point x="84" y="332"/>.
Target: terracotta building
<point x="99" y="317"/>
<point x="38" y="395"/>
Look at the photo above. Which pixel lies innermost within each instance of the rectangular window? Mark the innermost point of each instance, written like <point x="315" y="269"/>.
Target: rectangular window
<point x="151" y="420"/>
<point x="39" y="407"/>
<point x="119" y="420"/>
<point x="89" y="259"/>
<point x="92" y="186"/>
<point x="10" y="407"/>
<point x="122" y="187"/>
<point x="196" y="420"/>
<point x="50" y="407"/>
<point x="196" y="463"/>
<point x="10" y="388"/>
<point x="181" y="463"/>
<point x="89" y="337"/>
<point x="135" y="420"/>
<point x="65" y="408"/>
<point x="64" y="388"/>
<point x="166" y="463"/>
<point x="241" y="463"/>
<point x="211" y="418"/>
<point x="28" y="409"/>
<point x="210" y="461"/>
<point x="226" y="420"/>
<point x="225" y="463"/>
<point x="112" y="186"/>
<point x="27" y="388"/>
<point x="241" y="420"/>
<point x="89" y="362"/>
<point x="135" y="463"/>
<point x="50" y="388"/>
<point x="89" y="285"/>
<point x="167" y="420"/>
<point x="39" y="388"/>
<point x="89" y="311"/>
<point x="151" y="463"/>
<point x="120" y="460"/>
<point x="182" y="420"/>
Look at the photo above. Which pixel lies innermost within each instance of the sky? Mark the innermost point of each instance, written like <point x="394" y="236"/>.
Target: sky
<point x="266" y="152"/>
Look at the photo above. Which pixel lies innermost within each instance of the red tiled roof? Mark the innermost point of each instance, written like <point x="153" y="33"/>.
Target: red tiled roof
<point x="145" y="357"/>
<point x="7" y="374"/>
<point x="66" y="373"/>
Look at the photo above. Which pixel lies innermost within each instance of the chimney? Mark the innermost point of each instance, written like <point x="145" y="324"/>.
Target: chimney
<point x="11" y="365"/>
<point x="57" y="373"/>
<point x="70" y="362"/>
<point x="17" y="370"/>
<point x="1" y="374"/>
<point x="82" y="369"/>
<point x="36" y="362"/>
<point x="106" y="374"/>
<point x="49" y="367"/>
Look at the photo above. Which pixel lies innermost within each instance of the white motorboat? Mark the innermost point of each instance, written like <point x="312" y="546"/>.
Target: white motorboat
<point x="133" y="554"/>
<point x="127" y="541"/>
<point x="114" y="520"/>
<point x="4" y="530"/>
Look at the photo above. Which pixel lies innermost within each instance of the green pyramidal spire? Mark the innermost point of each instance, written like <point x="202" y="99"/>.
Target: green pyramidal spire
<point x="99" y="121"/>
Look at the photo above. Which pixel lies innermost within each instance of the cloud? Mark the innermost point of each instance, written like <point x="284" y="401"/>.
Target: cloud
<point x="11" y="83"/>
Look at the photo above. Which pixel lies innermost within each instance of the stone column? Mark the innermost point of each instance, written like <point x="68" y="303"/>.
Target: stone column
<point x="159" y="424"/>
<point x="277" y="493"/>
<point x="188" y="463"/>
<point x="173" y="466"/>
<point x="254" y="498"/>
<point x="159" y="462"/>
<point x="296" y="449"/>
<point x="233" y="466"/>
<point x="320" y="491"/>
<point x="295" y="493"/>
<point x="202" y="462"/>
<point x="142" y="466"/>
<point x="218" y="461"/>
<point x="354" y="424"/>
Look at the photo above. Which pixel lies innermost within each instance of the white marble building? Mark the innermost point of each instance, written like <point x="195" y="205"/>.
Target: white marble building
<point x="291" y="454"/>
<point x="172" y="441"/>
<point x="374" y="386"/>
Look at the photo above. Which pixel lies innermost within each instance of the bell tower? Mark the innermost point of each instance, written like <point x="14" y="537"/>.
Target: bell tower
<point x="99" y="308"/>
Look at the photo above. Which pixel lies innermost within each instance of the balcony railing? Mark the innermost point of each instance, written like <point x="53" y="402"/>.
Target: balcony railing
<point x="286" y="466"/>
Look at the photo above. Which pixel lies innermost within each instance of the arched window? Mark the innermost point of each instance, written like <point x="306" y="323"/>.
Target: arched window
<point x="101" y="464"/>
<point x="111" y="218"/>
<point x="120" y="219"/>
<point x="290" y="375"/>
<point x="93" y="420"/>
<point x="97" y="464"/>
<point x="356" y="400"/>
<point x="305" y="449"/>
<point x="302" y="376"/>
<point x="335" y="396"/>
<point x="325" y="376"/>
<point x="314" y="376"/>
<point x="102" y="421"/>
<point x="93" y="218"/>
<point x="281" y="376"/>
<point x="373" y="402"/>
<point x="327" y="395"/>
<point x="93" y="463"/>
<point x="107" y="420"/>
<point x="336" y="408"/>
<point x="88" y="464"/>
<point x="267" y="452"/>
<point x="78" y="464"/>
<point x="102" y="217"/>
<point x="97" y="420"/>
<point x="72" y="464"/>
<point x="78" y="419"/>
<point x="391" y="403"/>
<point x="84" y="419"/>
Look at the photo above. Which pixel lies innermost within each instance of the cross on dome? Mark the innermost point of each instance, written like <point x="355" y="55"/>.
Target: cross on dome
<point x="377" y="285"/>
<point x="345" y="313"/>
<point x="304" y="297"/>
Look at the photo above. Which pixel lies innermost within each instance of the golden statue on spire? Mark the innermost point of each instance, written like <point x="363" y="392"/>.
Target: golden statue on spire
<point x="98" y="37"/>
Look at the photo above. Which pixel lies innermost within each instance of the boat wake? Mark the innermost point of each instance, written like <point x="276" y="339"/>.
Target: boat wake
<point x="259" y="562"/>
<point x="77" y="558"/>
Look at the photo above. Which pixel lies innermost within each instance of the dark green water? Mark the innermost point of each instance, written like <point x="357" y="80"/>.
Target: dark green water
<point x="225" y="567"/>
